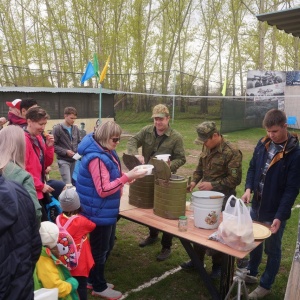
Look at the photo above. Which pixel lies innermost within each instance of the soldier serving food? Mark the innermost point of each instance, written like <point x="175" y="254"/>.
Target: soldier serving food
<point x="220" y="170"/>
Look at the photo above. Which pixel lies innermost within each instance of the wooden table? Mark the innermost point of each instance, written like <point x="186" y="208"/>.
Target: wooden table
<point x="192" y="235"/>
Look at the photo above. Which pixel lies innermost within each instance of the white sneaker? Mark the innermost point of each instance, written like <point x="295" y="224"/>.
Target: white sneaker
<point x="259" y="293"/>
<point x="108" y="294"/>
<point x="110" y="285"/>
<point x="90" y="286"/>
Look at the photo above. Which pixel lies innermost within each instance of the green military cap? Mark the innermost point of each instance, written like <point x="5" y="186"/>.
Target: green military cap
<point x="160" y="111"/>
<point x="205" y="130"/>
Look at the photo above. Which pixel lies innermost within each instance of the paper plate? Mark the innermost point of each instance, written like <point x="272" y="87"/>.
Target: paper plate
<point x="260" y="231"/>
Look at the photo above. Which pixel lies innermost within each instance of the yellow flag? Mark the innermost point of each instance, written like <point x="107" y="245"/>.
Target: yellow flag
<point x="103" y="73"/>
<point x="224" y="88"/>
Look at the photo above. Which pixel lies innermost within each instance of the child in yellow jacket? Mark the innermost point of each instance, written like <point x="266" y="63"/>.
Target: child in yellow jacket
<point x="50" y="272"/>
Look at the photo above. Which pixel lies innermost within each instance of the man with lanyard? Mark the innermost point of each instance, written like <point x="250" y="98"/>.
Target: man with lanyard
<point x="155" y="139"/>
<point x="274" y="179"/>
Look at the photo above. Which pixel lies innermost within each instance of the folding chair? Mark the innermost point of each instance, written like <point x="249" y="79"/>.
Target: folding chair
<point x="292" y="122"/>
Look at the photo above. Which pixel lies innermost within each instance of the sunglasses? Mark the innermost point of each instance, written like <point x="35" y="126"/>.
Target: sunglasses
<point x="115" y="140"/>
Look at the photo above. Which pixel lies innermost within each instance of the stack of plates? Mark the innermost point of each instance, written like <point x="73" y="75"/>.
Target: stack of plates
<point x="260" y="231"/>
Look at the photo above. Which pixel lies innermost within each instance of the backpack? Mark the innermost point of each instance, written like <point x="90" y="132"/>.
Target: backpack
<point x="53" y="209"/>
<point x="68" y="253"/>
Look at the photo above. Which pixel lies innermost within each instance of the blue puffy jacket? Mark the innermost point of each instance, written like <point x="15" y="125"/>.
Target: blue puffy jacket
<point x="102" y="211"/>
<point x="282" y="181"/>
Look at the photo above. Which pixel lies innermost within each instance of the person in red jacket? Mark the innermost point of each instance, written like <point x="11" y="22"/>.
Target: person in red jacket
<point x="78" y="229"/>
<point x="14" y="115"/>
<point x="39" y="156"/>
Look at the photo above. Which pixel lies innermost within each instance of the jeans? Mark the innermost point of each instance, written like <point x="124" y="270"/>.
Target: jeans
<point x="166" y="240"/>
<point x="82" y="289"/>
<point x="66" y="169"/>
<point x="102" y="240"/>
<point x="272" y="249"/>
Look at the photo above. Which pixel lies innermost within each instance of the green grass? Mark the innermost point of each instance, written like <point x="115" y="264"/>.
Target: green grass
<point x="129" y="266"/>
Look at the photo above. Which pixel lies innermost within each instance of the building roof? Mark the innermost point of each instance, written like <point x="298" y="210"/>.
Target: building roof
<point x="53" y="90"/>
<point x="287" y="20"/>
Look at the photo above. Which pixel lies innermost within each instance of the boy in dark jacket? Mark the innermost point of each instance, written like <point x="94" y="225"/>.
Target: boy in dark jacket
<point x="274" y="179"/>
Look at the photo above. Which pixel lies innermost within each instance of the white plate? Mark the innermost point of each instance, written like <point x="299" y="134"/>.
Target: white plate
<point x="76" y="156"/>
<point x="260" y="231"/>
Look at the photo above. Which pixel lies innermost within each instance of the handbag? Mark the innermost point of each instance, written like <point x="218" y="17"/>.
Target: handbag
<point x="236" y="228"/>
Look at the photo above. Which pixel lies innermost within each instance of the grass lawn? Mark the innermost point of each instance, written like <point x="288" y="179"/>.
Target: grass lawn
<point x="130" y="266"/>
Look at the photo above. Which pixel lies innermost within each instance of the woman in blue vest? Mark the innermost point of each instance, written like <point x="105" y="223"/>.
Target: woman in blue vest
<point x="99" y="184"/>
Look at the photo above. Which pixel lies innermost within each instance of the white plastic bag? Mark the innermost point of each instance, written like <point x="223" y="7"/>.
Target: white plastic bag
<point x="46" y="294"/>
<point x="236" y="229"/>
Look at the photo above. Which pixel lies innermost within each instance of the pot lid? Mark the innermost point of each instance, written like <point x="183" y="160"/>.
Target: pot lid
<point x="161" y="169"/>
<point x="175" y="177"/>
<point x="130" y="161"/>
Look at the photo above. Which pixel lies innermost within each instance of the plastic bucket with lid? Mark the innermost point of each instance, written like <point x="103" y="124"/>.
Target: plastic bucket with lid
<point x="207" y="206"/>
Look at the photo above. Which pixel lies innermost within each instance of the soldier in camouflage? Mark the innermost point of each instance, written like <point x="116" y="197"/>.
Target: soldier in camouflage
<point x="155" y="139"/>
<point x="220" y="164"/>
<point x="158" y="138"/>
<point x="219" y="169"/>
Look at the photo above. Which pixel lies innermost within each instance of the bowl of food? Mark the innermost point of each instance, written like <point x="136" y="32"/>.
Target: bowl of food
<point x="148" y="168"/>
<point x="164" y="157"/>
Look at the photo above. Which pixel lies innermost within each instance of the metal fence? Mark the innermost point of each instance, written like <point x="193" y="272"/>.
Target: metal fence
<point x="235" y="113"/>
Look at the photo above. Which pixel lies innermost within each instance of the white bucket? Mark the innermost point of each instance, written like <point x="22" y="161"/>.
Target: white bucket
<point x="207" y="206"/>
<point x="46" y="294"/>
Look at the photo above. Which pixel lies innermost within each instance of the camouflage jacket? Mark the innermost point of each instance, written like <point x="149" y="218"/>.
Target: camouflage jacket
<point x="222" y="167"/>
<point x="172" y="144"/>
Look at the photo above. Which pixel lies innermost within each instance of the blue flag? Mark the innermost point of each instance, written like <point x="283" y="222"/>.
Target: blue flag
<point x="89" y="73"/>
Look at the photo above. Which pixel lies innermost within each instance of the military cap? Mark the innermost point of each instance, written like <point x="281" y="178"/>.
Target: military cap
<point x="205" y="130"/>
<point x="160" y="111"/>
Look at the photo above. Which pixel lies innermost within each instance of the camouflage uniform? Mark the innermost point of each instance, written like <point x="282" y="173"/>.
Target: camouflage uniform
<point x="172" y="144"/>
<point x="222" y="167"/>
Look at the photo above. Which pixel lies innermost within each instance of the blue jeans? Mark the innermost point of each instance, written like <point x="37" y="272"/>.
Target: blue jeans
<point x="102" y="240"/>
<point x="272" y="250"/>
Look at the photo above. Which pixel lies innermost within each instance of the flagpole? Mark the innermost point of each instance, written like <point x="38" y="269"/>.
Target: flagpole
<point x="100" y="103"/>
<point x="102" y="77"/>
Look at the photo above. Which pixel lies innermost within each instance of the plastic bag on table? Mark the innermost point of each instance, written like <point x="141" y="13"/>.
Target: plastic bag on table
<point x="236" y="228"/>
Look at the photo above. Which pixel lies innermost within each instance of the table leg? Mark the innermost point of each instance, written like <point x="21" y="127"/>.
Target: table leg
<point x="199" y="266"/>
<point x="227" y="274"/>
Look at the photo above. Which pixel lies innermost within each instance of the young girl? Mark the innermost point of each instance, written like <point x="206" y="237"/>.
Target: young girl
<point x="50" y="272"/>
<point x="78" y="229"/>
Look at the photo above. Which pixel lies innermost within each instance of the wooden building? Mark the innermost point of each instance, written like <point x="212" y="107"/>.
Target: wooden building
<point x="54" y="100"/>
